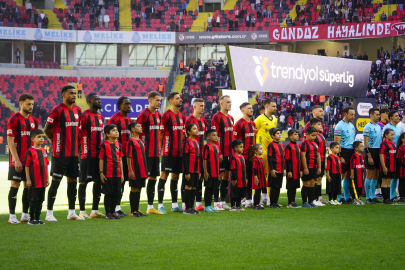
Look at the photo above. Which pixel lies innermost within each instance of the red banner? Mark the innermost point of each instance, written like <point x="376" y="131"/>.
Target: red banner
<point x="334" y="32"/>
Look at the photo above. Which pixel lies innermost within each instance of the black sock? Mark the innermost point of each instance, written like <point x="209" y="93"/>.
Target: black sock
<point x="319" y="191"/>
<point x="137" y="198"/>
<point x="25" y="201"/>
<point x="224" y="189"/>
<point x="273" y="196"/>
<point x="39" y="209"/>
<point x="304" y="194"/>
<point x="12" y="199"/>
<point x="401" y="188"/>
<point x="256" y="197"/>
<point x="71" y="193"/>
<point x="238" y="200"/>
<point x="173" y="190"/>
<point x="198" y="193"/>
<point x="33" y="207"/>
<point x="53" y="189"/>
<point x="249" y="193"/>
<point x="150" y="191"/>
<point x="119" y="198"/>
<point x="132" y="198"/>
<point x="96" y="194"/>
<point x="233" y="202"/>
<point x="359" y="190"/>
<point x="311" y="194"/>
<point x="334" y="197"/>
<point x="208" y="196"/>
<point x="38" y="215"/>
<point x="294" y="194"/>
<point x="216" y="191"/>
<point x="187" y="196"/>
<point x="385" y="192"/>
<point x="183" y="188"/>
<point x="113" y="200"/>
<point x="289" y="196"/>
<point x="330" y="196"/>
<point x="107" y="202"/>
<point x="161" y="189"/>
<point x="82" y="196"/>
<point x="192" y="199"/>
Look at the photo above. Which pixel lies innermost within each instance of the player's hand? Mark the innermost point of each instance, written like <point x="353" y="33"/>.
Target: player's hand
<point x="385" y="170"/>
<point x="342" y="160"/>
<point x="300" y="173"/>
<point x="122" y="179"/>
<point x="319" y="171"/>
<point x="285" y="173"/>
<point x="289" y="174"/>
<point x="131" y="175"/>
<point x="351" y="176"/>
<point x="18" y="166"/>
<point x="256" y="181"/>
<point x="370" y="161"/>
<point x="206" y="176"/>
<point x="221" y="157"/>
<point x="199" y="176"/>
<point x="306" y="171"/>
<point x="29" y="184"/>
<point x="234" y="182"/>
<point x="329" y="178"/>
<point x="187" y="176"/>
<point x="246" y="181"/>
<point x="273" y="173"/>
<point x="103" y="178"/>
<point x="47" y="183"/>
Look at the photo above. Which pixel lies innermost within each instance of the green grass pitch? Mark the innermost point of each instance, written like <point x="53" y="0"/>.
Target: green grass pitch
<point x="331" y="237"/>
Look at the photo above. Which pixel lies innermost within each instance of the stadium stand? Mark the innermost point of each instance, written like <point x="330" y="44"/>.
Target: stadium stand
<point x="41" y="64"/>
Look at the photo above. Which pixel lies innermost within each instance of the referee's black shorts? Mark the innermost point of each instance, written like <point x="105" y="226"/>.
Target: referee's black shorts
<point x="375" y="155"/>
<point x="347" y="155"/>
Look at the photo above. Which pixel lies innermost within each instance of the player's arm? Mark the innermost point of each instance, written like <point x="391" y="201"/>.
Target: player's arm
<point x="186" y="160"/>
<point x="382" y="161"/>
<point x="131" y="173"/>
<point x="328" y="176"/>
<point x="101" y="168"/>
<point x="27" y="174"/>
<point x="370" y="158"/>
<point x="48" y="131"/>
<point x="234" y="172"/>
<point x="122" y="171"/>
<point x="318" y="159"/>
<point x="161" y="136"/>
<point x="304" y="162"/>
<point x="13" y="150"/>
<point x="206" y="175"/>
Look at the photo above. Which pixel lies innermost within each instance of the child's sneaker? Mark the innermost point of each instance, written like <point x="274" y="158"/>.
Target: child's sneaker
<point x="306" y="204"/>
<point x="109" y="216"/>
<point x="234" y="209"/>
<point x="117" y="216"/>
<point x="295" y="205"/>
<point x="141" y="214"/>
<point x="218" y="207"/>
<point x="332" y="202"/>
<point x="40" y="222"/>
<point x="240" y="208"/>
<point x="225" y="207"/>
<point x="33" y="222"/>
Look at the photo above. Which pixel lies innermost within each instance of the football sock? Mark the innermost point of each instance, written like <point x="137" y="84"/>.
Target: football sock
<point x="193" y="193"/>
<point x="289" y="196"/>
<point x="367" y="188"/>
<point x="339" y="197"/>
<point x="117" y="207"/>
<point x="359" y="190"/>
<point x="330" y="197"/>
<point x="224" y="189"/>
<point x="53" y="189"/>
<point x="150" y="191"/>
<point x="183" y="188"/>
<point x="197" y="203"/>
<point x="256" y="198"/>
<point x="12" y="199"/>
<point x="346" y="188"/>
<point x="71" y="193"/>
<point x="385" y="193"/>
<point x="82" y="196"/>
<point x="173" y="190"/>
<point x="393" y="188"/>
<point x="132" y="198"/>
<point x="318" y="191"/>
<point x="311" y="194"/>
<point x="25" y="201"/>
<point x="401" y="190"/>
<point x="233" y="202"/>
<point x="33" y="208"/>
<point x="273" y="196"/>
<point x="334" y="197"/>
<point x="373" y="185"/>
<point x="38" y="215"/>
<point x="96" y="194"/>
<point x="108" y="204"/>
<point x="136" y="203"/>
<point x="304" y="194"/>
<point x="216" y="191"/>
<point x="294" y="194"/>
<point x="198" y="193"/>
<point x="264" y="196"/>
<point x="208" y="196"/>
<point x="161" y="190"/>
<point x="249" y="193"/>
<point x="119" y="198"/>
<point x="187" y="197"/>
<point x="238" y="200"/>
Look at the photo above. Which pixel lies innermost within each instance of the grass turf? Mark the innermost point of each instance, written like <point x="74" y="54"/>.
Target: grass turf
<point x="331" y="237"/>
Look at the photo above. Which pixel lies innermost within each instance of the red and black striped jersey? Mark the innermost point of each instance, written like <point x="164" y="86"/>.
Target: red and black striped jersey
<point x="211" y="154"/>
<point x="122" y="123"/>
<point x="357" y="164"/>
<point x="389" y="151"/>
<point x="174" y="127"/>
<point x="150" y="123"/>
<point x="136" y="152"/>
<point x="191" y="156"/>
<point x="238" y="169"/>
<point x="275" y="156"/>
<point x="311" y="153"/>
<point x="321" y="142"/>
<point x="333" y="164"/>
<point x="37" y="161"/>
<point x="245" y="131"/>
<point x="111" y="154"/>
<point x="66" y="129"/>
<point x="91" y="128"/>
<point x="401" y="161"/>
<point x="223" y="124"/>
<point x="20" y="128"/>
<point x="292" y="159"/>
<point x="202" y="128"/>
<point x="307" y="125"/>
<point x="259" y="171"/>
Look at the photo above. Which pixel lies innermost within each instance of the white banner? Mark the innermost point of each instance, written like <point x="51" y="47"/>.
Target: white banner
<point x="37" y="34"/>
<point x="126" y="37"/>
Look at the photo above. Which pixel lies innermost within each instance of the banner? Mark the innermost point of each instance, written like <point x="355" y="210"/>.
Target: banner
<point x="109" y="106"/>
<point x="335" y="32"/>
<point x="283" y="72"/>
<point x="37" y="34"/>
<point x="362" y="116"/>
<point x="222" y="37"/>
<point x="126" y="37"/>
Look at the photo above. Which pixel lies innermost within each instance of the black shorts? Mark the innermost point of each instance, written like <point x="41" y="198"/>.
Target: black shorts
<point x="275" y="182"/>
<point x="112" y="186"/>
<point x="347" y="155"/>
<point x="249" y="172"/>
<point x="313" y="173"/>
<point x="192" y="182"/>
<point x="172" y="165"/>
<point x="89" y="169"/>
<point x="153" y="166"/>
<point x="139" y="183"/>
<point x="225" y="165"/>
<point x="36" y="194"/>
<point x="65" y="166"/>
<point x="292" y="183"/>
<point x="211" y="182"/>
<point x="389" y="175"/>
<point x="237" y="192"/>
<point x="125" y="168"/>
<point x="375" y="154"/>
<point x="13" y="175"/>
<point x="335" y="185"/>
<point x="323" y="167"/>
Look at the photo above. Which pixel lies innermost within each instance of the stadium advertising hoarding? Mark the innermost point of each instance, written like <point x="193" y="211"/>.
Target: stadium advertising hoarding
<point x="222" y="37"/>
<point x="126" y="37"/>
<point x="362" y="117"/>
<point x="335" y="32"/>
<point x="109" y="106"/>
<point x="37" y="34"/>
<point x="283" y="72"/>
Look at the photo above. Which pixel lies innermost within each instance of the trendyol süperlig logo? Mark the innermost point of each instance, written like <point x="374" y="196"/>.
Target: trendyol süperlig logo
<point x="261" y="63"/>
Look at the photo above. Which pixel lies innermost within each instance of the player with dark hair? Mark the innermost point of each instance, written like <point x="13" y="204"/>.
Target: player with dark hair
<point x="293" y="167"/>
<point x="19" y="127"/>
<point x="150" y="119"/>
<point x="387" y="164"/>
<point x="91" y="128"/>
<point x="122" y="120"/>
<point x="258" y="173"/>
<point x="223" y="123"/>
<point x="317" y="113"/>
<point x="357" y="171"/>
<point x="238" y="176"/>
<point x="244" y="130"/>
<point x="333" y="173"/>
<point x="211" y="170"/>
<point x="383" y="119"/>
<point x="277" y="167"/>
<point x="171" y="136"/>
<point x="321" y="142"/>
<point x="62" y="129"/>
<point x="401" y="166"/>
<point x="197" y="119"/>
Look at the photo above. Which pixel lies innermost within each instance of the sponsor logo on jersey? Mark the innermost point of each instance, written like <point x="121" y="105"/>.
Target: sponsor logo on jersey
<point x="229" y="129"/>
<point x="178" y="128"/>
<point x="249" y="134"/>
<point x="50" y="120"/>
<point x="96" y="129"/>
<point x="154" y="127"/>
<point x="9" y="132"/>
<point x="25" y="133"/>
<point x="76" y="116"/>
<point x="359" y="166"/>
<point x="393" y="151"/>
<point x="100" y="121"/>
<point x="58" y="143"/>
<point x="71" y="124"/>
<point x="32" y="125"/>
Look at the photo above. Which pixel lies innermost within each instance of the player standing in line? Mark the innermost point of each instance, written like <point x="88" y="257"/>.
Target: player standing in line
<point x="321" y="143"/>
<point x="171" y="136"/>
<point x="245" y="131"/>
<point x="211" y="169"/>
<point x="19" y="127"/>
<point x="91" y="127"/>
<point x="401" y="166"/>
<point x="393" y="118"/>
<point x="317" y="113"/>
<point x="333" y="174"/>
<point x="293" y="167"/>
<point x="357" y="171"/>
<point x="264" y="123"/>
<point x="258" y="173"/>
<point x="150" y="120"/>
<point x="383" y="121"/>
<point x="277" y="167"/>
<point x="238" y="176"/>
<point x="372" y="141"/>
<point x="122" y="120"/>
<point x="223" y="123"/>
<point x="201" y="123"/>
<point x="344" y="135"/>
<point x="62" y="130"/>
<point x="387" y="164"/>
